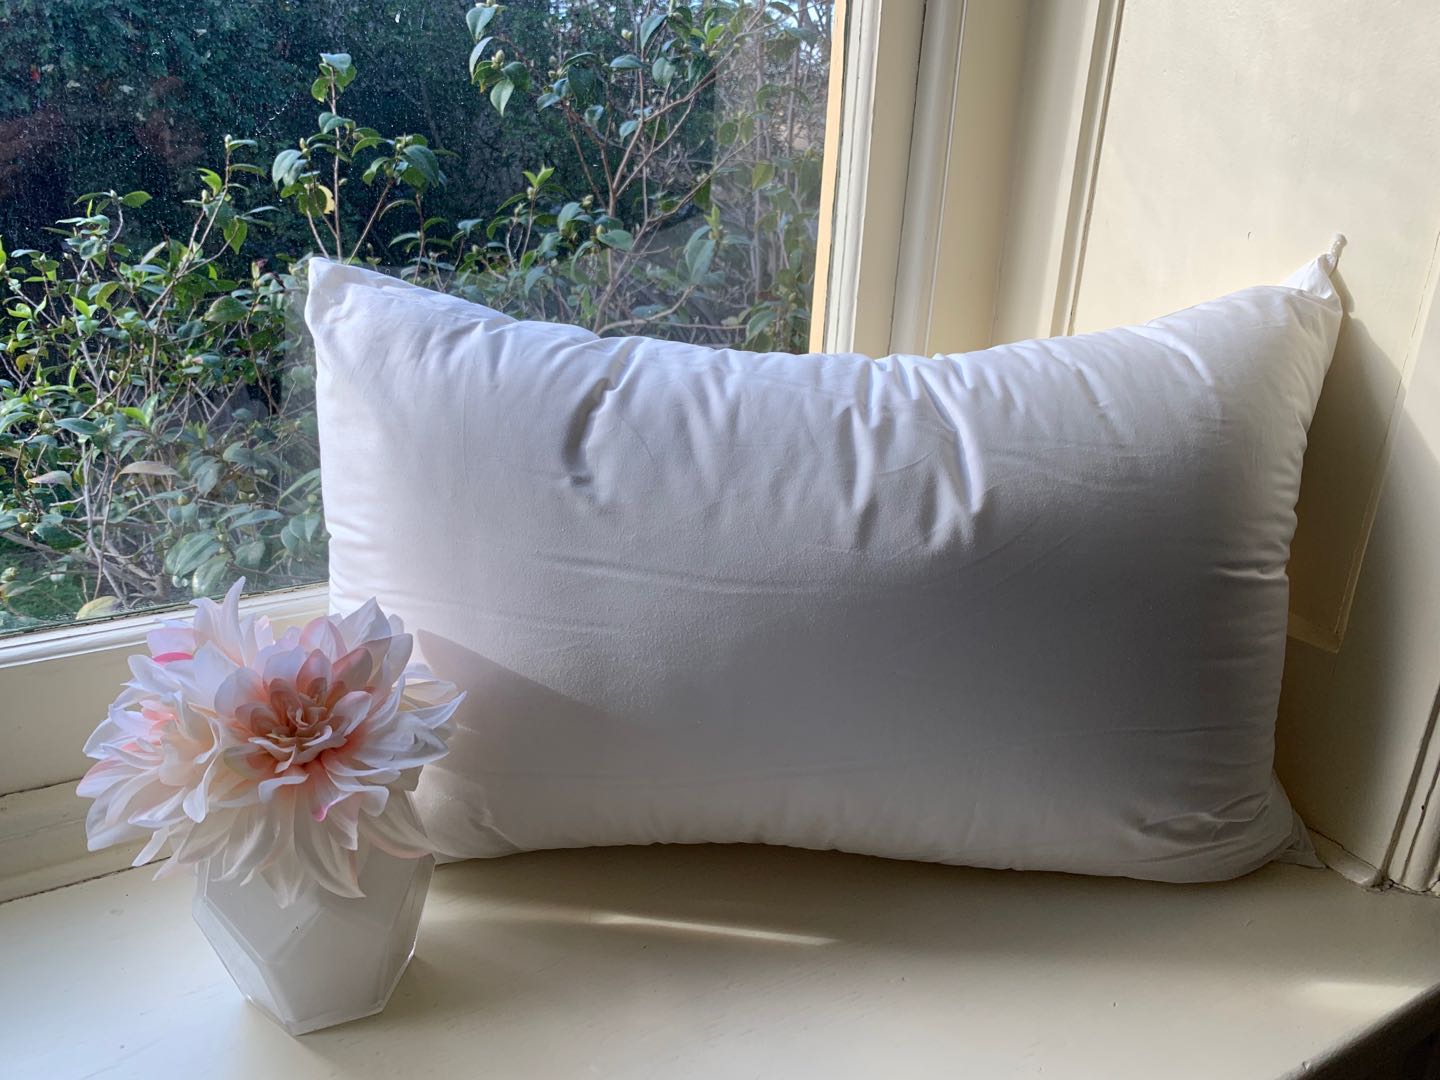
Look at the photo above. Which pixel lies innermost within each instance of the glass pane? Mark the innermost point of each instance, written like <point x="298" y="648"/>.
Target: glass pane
<point x="640" y="166"/>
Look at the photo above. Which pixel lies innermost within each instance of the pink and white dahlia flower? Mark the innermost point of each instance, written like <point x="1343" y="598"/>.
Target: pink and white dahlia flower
<point x="272" y="757"/>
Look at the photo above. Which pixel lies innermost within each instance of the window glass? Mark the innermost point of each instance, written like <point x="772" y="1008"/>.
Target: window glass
<point x="635" y="166"/>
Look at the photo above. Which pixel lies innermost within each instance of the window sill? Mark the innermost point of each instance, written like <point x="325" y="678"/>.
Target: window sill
<point x="701" y="962"/>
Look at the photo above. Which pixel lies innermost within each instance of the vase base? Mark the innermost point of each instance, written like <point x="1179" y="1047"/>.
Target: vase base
<point x="316" y="1023"/>
<point x="326" y="959"/>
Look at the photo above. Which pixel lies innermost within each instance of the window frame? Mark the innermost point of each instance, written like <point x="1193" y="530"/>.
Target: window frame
<point x="892" y="205"/>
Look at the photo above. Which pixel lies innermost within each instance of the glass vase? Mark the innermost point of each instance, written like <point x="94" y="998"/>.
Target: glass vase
<point x="325" y="959"/>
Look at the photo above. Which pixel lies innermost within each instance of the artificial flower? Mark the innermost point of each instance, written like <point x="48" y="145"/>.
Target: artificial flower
<point x="279" y="757"/>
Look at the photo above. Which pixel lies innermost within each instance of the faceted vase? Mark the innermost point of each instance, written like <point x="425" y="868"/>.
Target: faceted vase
<point x="325" y="959"/>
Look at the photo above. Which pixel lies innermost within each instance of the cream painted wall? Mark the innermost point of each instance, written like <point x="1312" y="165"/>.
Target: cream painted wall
<point x="1354" y="727"/>
<point x="1238" y="136"/>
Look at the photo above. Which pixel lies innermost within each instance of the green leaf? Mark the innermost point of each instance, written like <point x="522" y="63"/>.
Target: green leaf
<point x="699" y="253"/>
<point x="76" y="426"/>
<point x="628" y="128"/>
<point x="500" y="95"/>
<point x="135" y="199"/>
<point x="286" y="167"/>
<point x="226" y="310"/>
<point x="206" y="474"/>
<point x="257" y="516"/>
<point x="618" y="239"/>
<point x="147" y="468"/>
<point x="663" y="70"/>
<point x="761" y="173"/>
<point x="212" y="180"/>
<point x="240" y="454"/>
<point x="760" y="321"/>
<point x="479" y="17"/>
<point x="575" y="58"/>
<point x="628" y="62"/>
<point x="309" y="479"/>
<point x="423" y="160"/>
<point x="55" y="476"/>
<point x="343" y="67"/>
<point x="251" y="556"/>
<point x="650" y="25"/>
<point x="191" y="550"/>
<point x="101" y="605"/>
<point x="208" y="576"/>
<point x="56" y="535"/>
<point x="477" y="53"/>
<point x="566" y="215"/>
<point x="320" y="88"/>
<point x="235" y="233"/>
<point x="517" y="73"/>
<point x="101" y="292"/>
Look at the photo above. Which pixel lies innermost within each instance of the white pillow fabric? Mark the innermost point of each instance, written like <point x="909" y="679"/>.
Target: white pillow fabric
<point x="1023" y="607"/>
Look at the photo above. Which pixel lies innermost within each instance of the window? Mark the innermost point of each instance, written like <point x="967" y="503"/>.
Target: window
<point x="636" y="166"/>
<point x="670" y="167"/>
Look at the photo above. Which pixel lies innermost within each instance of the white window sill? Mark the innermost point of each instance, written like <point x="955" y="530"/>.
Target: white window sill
<point x="725" y="962"/>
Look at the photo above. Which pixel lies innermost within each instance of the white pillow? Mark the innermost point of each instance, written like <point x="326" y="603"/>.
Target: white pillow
<point x="1023" y="607"/>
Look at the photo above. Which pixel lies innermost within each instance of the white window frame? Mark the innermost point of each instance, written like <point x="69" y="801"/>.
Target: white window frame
<point x="961" y="149"/>
<point x="963" y="139"/>
<point x="892" y="204"/>
<point x="55" y="684"/>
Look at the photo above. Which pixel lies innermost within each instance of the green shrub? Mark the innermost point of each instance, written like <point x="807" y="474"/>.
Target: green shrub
<point x="157" y="433"/>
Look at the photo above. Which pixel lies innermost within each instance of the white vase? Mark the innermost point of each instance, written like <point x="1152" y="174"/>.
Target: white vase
<point x="325" y="959"/>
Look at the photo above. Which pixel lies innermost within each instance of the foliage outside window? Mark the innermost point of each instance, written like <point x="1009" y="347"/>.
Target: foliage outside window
<point x="645" y="166"/>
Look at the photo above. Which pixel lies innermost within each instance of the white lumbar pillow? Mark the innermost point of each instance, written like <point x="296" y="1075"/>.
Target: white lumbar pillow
<point x="1023" y="607"/>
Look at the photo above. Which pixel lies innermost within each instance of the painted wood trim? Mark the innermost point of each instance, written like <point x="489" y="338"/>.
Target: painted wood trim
<point x="1413" y="860"/>
<point x="882" y="51"/>
<point x="1068" y="60"/>
<point x="932" y="138"/>
<point x="829" y="177"/>
<point x="1087" y="161"/>
<point x="42" y="843"/>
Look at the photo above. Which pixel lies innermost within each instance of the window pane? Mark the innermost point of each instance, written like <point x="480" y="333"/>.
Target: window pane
<point x="642" y="166"/>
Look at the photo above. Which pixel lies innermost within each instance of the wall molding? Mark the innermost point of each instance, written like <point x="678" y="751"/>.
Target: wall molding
<point x="1069" y="62"/>
<point x="42" y="843"/>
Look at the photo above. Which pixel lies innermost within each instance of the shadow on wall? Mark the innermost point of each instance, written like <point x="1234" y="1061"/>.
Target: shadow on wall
<point x="1352" y="722"/>
<point x="1341" y="468"/>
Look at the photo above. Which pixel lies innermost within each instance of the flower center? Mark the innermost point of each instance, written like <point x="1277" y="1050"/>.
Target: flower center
<point x="296" y="720"/>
